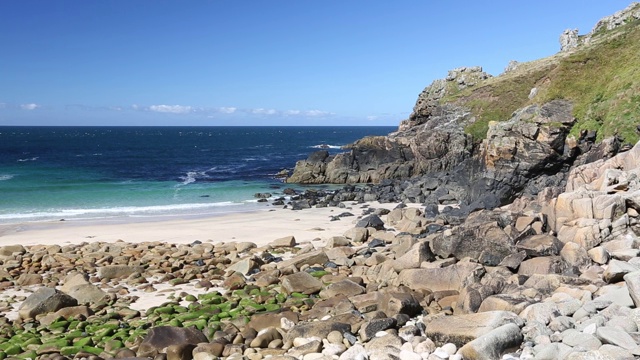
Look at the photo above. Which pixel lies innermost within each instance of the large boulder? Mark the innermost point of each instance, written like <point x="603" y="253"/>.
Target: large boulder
<point x="454" y="277"/>
<point x="462" y="329"/>
<point x="301" y="282"/>
<point x="493" y="344"/>
<point x="481" y="237"/>
<point x="78" y="287"/>
<point x="45" y="300"/>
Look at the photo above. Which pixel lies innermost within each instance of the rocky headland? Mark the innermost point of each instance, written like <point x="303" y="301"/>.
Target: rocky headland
<point x="510" y="237"/>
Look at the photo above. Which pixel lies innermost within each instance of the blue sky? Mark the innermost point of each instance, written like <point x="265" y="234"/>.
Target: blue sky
<point x="285" y="62"/>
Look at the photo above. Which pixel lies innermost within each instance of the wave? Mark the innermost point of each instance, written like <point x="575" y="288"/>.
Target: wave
<point x="255" y="158"/>
<point x="117" y="211"/>
<point x="326" y="146"/>
<point x="29" y="159"/>
<point x="6" y="177"/>
<point x="189" y="178"/>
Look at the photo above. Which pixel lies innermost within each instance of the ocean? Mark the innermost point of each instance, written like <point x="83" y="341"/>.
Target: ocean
<point x="53" y="173"/>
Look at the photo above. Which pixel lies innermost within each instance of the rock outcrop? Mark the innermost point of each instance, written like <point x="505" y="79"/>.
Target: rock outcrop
<point x="440" y="158"/>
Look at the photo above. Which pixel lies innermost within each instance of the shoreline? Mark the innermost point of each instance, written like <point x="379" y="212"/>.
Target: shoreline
<point x="259" y="226"/>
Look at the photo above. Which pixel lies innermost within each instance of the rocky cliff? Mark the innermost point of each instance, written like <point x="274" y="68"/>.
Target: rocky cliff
<point x="490" y="139"/>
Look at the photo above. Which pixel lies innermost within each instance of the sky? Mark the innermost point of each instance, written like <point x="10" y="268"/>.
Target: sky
<point x="259" y="62"/>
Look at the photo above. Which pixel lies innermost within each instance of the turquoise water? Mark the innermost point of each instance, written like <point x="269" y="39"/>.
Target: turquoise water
<point x="50" y="173"/>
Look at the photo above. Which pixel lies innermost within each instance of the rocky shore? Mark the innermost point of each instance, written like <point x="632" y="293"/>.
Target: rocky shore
<point x="542" y="278"/>
<point x="507" y="239"/>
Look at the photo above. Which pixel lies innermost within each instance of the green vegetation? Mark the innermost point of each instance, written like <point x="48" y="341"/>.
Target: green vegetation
<point x="602" y="80"/>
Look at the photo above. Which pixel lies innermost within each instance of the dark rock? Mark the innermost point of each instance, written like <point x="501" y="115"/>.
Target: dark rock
<point x="301" y="204"/>
<point x="480" y="237"/>
<point x="369" y="329"/>
<point x="376" y="243"/>
<point x="45" y="300"/>
<point x="372" y="221"/>
<point x="540" y="245"/>
<point x="162" y="337"/>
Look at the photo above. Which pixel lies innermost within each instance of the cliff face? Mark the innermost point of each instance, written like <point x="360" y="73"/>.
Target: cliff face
<point x="508" y="133"/>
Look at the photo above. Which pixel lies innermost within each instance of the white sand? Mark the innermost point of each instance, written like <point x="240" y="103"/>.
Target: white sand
<point x="260" y="227"/>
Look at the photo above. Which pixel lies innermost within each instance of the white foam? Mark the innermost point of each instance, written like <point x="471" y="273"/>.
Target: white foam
<point x="28" y="159"/>
<point x="326" y="146"/>
<point x="116" y="211"/>
<point x="189" y="178"/>
<point x="5" y="177"/>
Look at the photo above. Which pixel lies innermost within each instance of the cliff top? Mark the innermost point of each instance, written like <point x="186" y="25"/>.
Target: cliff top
<point x="599" y="72"/>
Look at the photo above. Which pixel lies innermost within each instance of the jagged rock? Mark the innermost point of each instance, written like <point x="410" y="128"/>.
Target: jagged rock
<point x="245" y="266"/>
<point x="371" y="221"/>
<point x="569" y="40"/>
<point x="616" y="270"/>
<point x="480" y="237"/>
<point x="161" y="337"/>
<point x="369" y="329"/>
<point x="415" y="256"/>
<point x="45" y="300"/>
<point x="574" y="255"/>
<point x="599" y="255"/>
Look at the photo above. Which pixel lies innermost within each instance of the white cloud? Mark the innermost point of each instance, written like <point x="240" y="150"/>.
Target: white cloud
<point x="372" y="117"/>
<point x="292" y="112"/>
<point x="227" y="110"/>
<point x="261" y="111"/>
<point x="318" y="113"/>
<point x="173" y="109"/>
<point x="29" y="106"/>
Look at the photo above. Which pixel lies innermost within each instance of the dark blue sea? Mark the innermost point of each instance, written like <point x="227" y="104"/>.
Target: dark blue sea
<point x="51" y="173"/>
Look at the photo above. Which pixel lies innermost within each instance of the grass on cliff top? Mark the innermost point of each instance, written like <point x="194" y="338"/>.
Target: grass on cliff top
<point x="602" y="80"/>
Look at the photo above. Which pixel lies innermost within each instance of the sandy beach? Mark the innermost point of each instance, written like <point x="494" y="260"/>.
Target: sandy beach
<point x="259" y="227"/>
